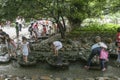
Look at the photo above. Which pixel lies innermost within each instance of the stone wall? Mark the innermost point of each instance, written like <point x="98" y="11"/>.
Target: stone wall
<point x="72" y="48"/>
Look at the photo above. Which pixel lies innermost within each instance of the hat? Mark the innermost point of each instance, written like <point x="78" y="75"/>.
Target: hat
<point x="103" y="45"/>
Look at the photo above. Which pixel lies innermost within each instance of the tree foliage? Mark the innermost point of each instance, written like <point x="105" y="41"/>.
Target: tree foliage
<point x="75" y="10"/>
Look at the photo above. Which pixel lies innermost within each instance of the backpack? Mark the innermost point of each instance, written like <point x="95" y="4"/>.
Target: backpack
<point x="104" y="54"/>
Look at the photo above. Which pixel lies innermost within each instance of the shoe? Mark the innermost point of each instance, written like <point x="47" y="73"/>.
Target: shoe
<point x="104" y="69"/>
<point x="86" y="67"/>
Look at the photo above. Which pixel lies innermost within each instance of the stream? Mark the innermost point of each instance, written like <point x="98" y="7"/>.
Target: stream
<point x="75" y="70"/>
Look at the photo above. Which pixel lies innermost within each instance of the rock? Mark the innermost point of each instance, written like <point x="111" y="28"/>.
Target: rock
<point x="69" y="41"/>
<point x="58" y="79"/>
<point x="45" y="78"/>
<point x="75" y="49"/>
<point x="9" y="76"/>
<point x="102" y="78"/>
<point x="89" y="79"/>
<point x="2" y="77"/>
<point x="51" y="77"/>
<point x="7" y="79"/>
<point x="18" y="78"/>
<point x="114" y="78"/>
<point x="68" y="49"/>
<point x="78" y="79"/>
<point x="69" y="78"/>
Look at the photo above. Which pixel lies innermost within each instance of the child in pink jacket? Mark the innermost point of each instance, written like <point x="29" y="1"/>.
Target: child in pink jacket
<point x="103" y="58"/>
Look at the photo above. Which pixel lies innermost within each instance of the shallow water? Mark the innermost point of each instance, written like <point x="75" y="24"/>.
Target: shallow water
<point x="75" y="70"/>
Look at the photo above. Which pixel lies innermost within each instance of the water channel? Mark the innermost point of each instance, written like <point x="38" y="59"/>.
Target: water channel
<point x="76" y="70"/>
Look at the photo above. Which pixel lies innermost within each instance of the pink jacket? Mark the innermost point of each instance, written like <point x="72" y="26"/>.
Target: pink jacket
<point x="103" y="54"/>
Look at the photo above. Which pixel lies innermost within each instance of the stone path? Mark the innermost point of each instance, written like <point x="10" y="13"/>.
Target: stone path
<point x="50" y="77"/>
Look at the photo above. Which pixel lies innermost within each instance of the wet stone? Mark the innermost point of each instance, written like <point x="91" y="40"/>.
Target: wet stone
<point x="1" y="77"/>
<point x="35" y="78"/>
<point x="13" y="78"/>
<point x="45" y="78"/>
<point x="115" y="78"/>
<point x="9" y="76"/>
<point x="89" y="79"/>
<point x="68" y="49"/>
<point x="18" y="78"/>
<point x="26" y="78"/>
<point x="102" y="78"/>
<point x="7" y="79"/>
<point x="68" y="79"/>
<point x="78" y="79"/>
<point x="57" y="79"/>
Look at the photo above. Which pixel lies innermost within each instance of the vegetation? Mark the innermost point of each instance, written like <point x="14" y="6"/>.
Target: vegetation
<point x="105" y="30"/>
<point x="75" y="10"/>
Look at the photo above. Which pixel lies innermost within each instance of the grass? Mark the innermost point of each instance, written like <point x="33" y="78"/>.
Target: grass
<point x="95" y="29"/>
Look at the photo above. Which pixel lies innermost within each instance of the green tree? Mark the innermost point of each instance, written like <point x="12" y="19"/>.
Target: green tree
<point x="75" y="10"/>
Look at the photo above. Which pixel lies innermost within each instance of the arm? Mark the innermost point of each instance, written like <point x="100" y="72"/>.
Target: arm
<point x="13" y="43"/>
<point x="20" y="47"/>
<point x="54" y="49"/>
<point x="28" y="47"/>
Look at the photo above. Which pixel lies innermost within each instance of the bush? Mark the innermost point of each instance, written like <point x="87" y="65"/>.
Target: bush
<point x="95" y="29"/>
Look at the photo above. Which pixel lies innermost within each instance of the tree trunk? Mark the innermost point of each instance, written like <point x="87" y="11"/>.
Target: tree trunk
<point x="61" y="28"/>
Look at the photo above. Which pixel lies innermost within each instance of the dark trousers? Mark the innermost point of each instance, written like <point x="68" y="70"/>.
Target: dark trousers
<point x="102" y="63"/>
<point x="30" y="33"/>
<point x="20" y="27"/>
<point x="94" y="52"/>
<point x="17" y="34"/>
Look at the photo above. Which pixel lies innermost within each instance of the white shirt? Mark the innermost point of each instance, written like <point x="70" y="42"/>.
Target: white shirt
<point x="25" y="48"/>
<point x="100" y="44"/>
<point x="57" y="44"/>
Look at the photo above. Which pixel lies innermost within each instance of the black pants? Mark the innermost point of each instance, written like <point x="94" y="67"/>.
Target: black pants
<point x="103" y="63"/>
<point x="20" y="27"/>
<point x="94" y="52"/>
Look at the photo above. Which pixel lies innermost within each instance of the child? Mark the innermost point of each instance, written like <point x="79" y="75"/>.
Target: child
<point x="56" y="46"/>
<point x="25" y="49"/>
<point x="103" y="58"/>
<point x="11" y="46"/>
<point x="95" y="50"/>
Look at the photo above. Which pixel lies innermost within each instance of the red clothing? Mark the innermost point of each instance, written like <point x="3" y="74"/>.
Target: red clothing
<point x="44" y="29"/>
<point x="35" y="26"/>
<point x="118" y="37"/>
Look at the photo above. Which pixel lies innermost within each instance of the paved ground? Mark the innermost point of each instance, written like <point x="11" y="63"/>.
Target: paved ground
<point x="12" y="32"/>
